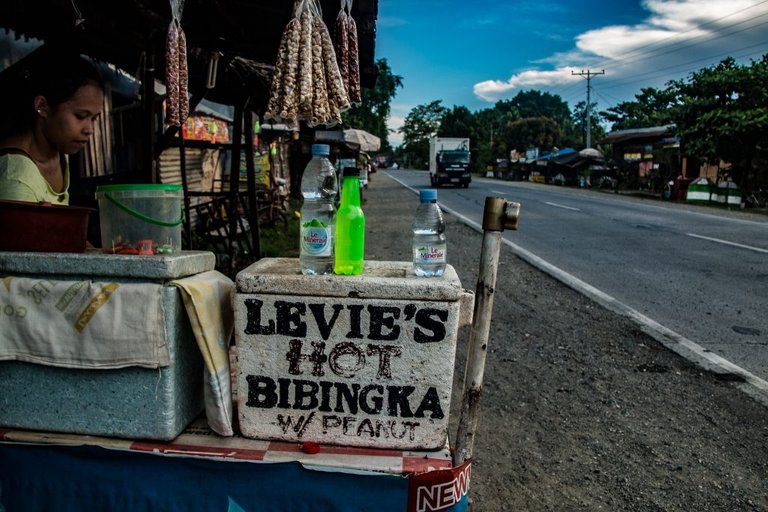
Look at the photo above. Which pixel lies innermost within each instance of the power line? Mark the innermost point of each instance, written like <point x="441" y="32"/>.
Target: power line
<point x="684" y="67"/>
<point x="645" y="53"/>
<point x="691" y="42"/>
<point x="644" y="50"/>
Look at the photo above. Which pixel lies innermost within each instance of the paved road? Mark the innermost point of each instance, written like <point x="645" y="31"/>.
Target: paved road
<point x="700" y="272"/>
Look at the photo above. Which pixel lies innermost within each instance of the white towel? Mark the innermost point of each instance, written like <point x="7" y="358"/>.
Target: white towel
<point x="208" y="300"/>
<point x="82" y="324"/>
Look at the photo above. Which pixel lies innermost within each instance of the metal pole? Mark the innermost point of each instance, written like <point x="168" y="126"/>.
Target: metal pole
<point x="234" y="187"/>
<point x="149" y="163"/>
<point x="185" y="188"/>
<point x="498" y="215"/>
<point x="588" y="111"/>
<point x="253" y="202"/>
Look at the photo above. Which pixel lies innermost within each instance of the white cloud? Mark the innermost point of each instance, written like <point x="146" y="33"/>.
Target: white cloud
<point x="492" y="90"/>
<point x="394" y="123"/>
<point x="677" y="36"/>
<point x="390" y="21"/>
<point x="398" y="113"/>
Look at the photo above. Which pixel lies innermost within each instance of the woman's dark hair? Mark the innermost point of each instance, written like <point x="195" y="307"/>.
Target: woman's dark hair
<point x="55" y="74"/>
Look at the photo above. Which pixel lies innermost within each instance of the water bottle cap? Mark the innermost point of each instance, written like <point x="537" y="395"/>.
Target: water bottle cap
<point x="321" y="150"/>
<point x="351" y="172"/>
<point x="427" y="195"/>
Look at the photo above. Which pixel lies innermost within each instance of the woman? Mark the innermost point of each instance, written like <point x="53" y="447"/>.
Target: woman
<point x="53" y="102"/>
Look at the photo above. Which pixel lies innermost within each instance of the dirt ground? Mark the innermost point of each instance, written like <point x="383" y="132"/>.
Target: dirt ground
<point x="581" y="410"/>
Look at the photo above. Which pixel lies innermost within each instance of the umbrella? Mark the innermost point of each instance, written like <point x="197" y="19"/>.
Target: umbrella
<point x="591" y="153"/>
<point x="366" y="141"/>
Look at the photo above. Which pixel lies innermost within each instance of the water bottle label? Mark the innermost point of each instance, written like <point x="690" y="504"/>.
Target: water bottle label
<point x="429" y="253"/>
<point x="316" y="238"/>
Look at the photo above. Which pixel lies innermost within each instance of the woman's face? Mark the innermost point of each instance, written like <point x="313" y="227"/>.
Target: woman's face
<point x="69" y="125"/>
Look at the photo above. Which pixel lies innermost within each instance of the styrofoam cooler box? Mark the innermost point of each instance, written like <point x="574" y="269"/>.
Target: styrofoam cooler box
<point x="346" y="360"/>
<point x="132" y="402"/>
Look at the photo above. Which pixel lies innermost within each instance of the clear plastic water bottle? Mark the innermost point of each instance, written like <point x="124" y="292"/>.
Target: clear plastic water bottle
<point x="429" y="248"/>
<point x="319" y="187"/>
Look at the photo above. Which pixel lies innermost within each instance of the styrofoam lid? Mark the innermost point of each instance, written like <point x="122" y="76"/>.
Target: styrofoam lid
<point x="380" y="280"/>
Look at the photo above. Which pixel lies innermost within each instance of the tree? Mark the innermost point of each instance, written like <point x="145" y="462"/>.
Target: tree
<point x="533" y="132"/>
<point x="421" y="123"/>
<point x="372" y="114"/>
<point x="652" y="107"/>
<point x="723" y="116"/>
<point x="578" y="120"/>
<point x="534" y="103"/>
<point x="458" y="122"/>
<point x="488" y="138"/>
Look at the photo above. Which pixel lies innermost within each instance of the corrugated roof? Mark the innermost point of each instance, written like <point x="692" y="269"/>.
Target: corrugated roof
<point x="638" y="133"/>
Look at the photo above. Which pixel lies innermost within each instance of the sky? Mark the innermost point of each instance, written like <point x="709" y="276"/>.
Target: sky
<point x="474" y="53"/>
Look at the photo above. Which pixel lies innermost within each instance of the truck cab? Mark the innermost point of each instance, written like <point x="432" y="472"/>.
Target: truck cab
<point x="449" y="162"/>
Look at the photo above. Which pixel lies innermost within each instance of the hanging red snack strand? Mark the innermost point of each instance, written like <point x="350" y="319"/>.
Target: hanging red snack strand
<point x="353" y="64"/>
<point x="341" y="46"/>
<point x="172" y="75"/>
<point x="176" y="73"/>
<point x="183" y="78"/>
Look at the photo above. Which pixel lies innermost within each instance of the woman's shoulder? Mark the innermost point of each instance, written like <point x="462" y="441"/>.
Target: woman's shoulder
<point x="15" y="163"/>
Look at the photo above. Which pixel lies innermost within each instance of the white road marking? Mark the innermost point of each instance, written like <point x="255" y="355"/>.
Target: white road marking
<point x="498" y="192"/>
<point x="563" y="206"/>
<point x="726" y="242"/>
<point x="753" y="385"/>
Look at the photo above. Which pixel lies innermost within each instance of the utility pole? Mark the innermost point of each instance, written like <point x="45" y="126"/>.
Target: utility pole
<point x="589" y="74"/>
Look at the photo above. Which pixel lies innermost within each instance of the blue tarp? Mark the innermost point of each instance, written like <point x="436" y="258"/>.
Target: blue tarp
<point x="561" y="152"/>
<point x="77" y="478"/>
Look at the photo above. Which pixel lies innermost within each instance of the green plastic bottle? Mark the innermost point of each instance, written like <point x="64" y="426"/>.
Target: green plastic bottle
<point x="350" y="227"/>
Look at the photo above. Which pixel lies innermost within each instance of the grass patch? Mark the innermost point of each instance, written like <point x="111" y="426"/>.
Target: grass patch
<point x="277" y="241"/>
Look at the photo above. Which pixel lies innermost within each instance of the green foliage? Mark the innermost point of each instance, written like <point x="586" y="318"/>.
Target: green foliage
<point x="372" y="114"/>
<point x="541" y="104"/>
<point x="493" y="132"/>
<point x="652" y="107"/>
<point x="534" y="132"/>
<point x="458" y="122"/>
<point x="578" y="135"/>
<point x="720" y="114"/>
<point x="487" y="139"/>
<point x="723" y="115"/>
<point x="421" y="123"/>
<point x="279" y="242"/>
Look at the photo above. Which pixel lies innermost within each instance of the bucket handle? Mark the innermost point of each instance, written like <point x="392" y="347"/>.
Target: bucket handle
<point x="139" y="215"/>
